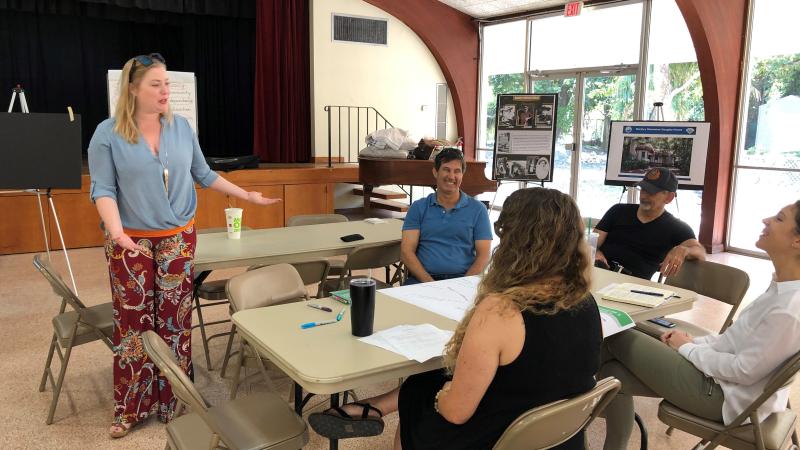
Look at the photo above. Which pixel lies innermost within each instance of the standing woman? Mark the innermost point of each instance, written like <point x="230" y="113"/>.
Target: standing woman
<point x="143" y="164"/>
<point x="716" y="377"/>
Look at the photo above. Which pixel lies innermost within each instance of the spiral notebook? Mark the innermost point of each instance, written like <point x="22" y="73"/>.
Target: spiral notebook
<point x="637" y="294"/>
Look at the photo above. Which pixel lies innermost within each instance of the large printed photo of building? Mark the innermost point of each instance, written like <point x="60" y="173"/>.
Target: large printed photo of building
<point x="640" y="154"/>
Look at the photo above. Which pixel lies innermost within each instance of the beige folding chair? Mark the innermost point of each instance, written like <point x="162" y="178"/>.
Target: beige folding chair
<point x="549" y="425"/>
<point x="776" y="432"/>
<point x="79" y="326"/>
<point x="207" y="294"/>
<point x="313" y="271"/>
<point x="265" y="286"/>
<point x="336" y="265"/>
<point x="365" y="257"/>
<point x="259" y="421"/>
<point x="718" y="281"/>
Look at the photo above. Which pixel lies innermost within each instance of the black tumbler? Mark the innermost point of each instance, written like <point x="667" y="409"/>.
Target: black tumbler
<point x="362" y="306"/>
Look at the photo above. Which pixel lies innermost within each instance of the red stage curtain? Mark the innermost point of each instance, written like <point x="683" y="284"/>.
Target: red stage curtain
<point x="282" y="97"/>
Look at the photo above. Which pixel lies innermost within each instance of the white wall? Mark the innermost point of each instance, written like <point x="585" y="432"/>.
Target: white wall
<point x="396" y="79"/>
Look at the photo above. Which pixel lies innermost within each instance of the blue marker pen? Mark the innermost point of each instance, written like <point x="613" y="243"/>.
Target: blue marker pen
<point x="316" y="324"/>
<point x="340" y="315"/>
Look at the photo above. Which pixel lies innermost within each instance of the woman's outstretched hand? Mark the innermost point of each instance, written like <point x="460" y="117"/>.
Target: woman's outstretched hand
<point x="258" y="199"/>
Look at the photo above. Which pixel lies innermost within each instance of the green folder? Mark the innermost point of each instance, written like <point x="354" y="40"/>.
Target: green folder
<point x="341" y="296"/>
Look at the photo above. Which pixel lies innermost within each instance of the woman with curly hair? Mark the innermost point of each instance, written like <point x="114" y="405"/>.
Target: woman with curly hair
<point x="532" y="337"/>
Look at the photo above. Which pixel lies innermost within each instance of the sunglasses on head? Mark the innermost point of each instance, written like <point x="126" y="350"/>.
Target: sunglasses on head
<point x="146" y="61"/>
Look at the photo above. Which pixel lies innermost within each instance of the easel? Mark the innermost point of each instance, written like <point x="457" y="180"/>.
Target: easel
<point x="18" y="91"/>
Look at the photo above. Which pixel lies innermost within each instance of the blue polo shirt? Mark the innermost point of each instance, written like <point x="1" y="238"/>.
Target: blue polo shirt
<point x="447" y="238"/>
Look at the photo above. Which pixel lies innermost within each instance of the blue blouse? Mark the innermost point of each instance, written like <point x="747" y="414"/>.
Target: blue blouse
<point x="133" y="177"/>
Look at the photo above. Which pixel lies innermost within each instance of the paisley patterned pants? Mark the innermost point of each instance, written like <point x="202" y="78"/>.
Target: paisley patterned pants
<point x="151" y="291"/>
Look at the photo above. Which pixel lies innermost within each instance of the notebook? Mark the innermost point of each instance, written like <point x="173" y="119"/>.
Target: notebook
<point x="623" y="293"/>
<point x="342" y="296"/>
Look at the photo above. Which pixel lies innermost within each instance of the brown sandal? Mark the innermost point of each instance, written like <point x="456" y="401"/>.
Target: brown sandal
<point x="119" y="430"/>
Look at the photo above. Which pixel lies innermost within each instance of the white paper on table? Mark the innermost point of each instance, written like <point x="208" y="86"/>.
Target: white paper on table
<point x="417" y="342"/>
<point x="449" y="298"/>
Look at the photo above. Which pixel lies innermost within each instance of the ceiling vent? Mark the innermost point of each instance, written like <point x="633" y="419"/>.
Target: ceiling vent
<point x="364" y="30"/>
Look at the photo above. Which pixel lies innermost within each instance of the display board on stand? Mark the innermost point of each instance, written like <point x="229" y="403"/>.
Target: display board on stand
<point x="182" y="97"/>
<point x="524" y="144"/>
<point x="636" y="147"/>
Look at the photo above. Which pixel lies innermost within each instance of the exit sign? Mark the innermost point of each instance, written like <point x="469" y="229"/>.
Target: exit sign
<point x="572" y="9"/>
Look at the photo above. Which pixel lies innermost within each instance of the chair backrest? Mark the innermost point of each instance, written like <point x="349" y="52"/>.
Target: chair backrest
<point x="164" y="358"/>
<point x="549" y="425"/>
<point x="372" y="256"/>
<point x="718" y="281"/>
<point x="57" y="283"/>
<point x="783" y="377"/>
<point x="314" y="219"/>
<point x="314" y="271"/>
<point x="265" y="286"/>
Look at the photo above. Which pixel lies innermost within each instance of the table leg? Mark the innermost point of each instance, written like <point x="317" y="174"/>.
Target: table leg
<point x="334" y="444"/>
<point x="298" y="399"/>
<point x="367" y="198"/>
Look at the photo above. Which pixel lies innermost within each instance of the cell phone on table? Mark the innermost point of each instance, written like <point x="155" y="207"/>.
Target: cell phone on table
<point x="662" y="321"/>
<point x="352" y="237"/>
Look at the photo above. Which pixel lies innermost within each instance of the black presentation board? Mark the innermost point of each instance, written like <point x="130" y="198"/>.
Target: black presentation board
<point x="40" y="151"/>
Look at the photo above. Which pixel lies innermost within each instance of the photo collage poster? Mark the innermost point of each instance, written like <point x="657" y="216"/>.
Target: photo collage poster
<point x="525" y="137"/>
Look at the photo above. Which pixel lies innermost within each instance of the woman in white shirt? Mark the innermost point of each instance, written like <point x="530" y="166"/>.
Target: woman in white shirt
<point x="716" y="377"/>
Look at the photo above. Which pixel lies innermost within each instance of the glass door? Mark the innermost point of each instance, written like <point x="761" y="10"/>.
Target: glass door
<point x="564" y="86"/>
<point x="582" y="129"/>
<point x="605" y="97"/>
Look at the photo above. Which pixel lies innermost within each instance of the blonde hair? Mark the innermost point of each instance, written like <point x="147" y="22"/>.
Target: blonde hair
<point x="539" y="265"/>
<point x="125" y="112"/>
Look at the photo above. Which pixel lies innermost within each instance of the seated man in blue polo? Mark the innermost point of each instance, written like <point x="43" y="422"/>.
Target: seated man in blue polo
<point x="446" y="234"/>
<point x="645" y="238"/>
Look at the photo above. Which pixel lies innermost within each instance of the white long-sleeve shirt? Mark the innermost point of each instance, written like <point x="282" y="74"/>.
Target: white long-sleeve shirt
<point x="743" y="358"/>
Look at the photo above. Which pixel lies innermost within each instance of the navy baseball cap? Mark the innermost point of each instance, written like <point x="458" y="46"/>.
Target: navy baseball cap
<point x="659" y="179"/>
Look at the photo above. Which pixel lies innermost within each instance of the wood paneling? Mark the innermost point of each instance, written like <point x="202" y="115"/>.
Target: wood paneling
<point x="308" y="199"/>
<point x="80" y="223"/>
<point x="210" y="209"/>
<point x="21" y="225"/>
<point x="310" y="192"/>
<point x="270" y="216"/>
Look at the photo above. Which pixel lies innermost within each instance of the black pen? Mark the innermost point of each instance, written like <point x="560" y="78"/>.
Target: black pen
<point x="323" y="308"/>
<point x="654" y="294"/>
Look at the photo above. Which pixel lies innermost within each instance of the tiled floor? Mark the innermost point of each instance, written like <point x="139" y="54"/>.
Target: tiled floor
<point x="85" y="410"/>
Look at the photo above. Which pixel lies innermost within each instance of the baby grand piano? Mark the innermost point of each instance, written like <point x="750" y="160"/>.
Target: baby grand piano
<point x="374" y="172"/>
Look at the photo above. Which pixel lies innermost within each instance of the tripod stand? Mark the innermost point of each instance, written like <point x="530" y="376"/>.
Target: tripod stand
<point x="19" y="92"/>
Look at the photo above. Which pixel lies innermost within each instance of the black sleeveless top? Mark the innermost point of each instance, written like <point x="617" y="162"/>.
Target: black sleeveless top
<point x="559" y="359"/>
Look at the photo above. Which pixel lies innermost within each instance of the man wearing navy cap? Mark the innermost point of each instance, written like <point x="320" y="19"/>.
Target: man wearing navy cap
<point x="645" y="238"/>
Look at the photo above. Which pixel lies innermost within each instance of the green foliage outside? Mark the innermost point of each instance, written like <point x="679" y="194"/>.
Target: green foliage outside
<point x="508" y="83"/>
<point x="771" y="79"/>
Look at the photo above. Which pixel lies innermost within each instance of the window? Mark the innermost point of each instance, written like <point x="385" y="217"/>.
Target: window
<point x="767" y="171"/>
<point x="673" y="78"/>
